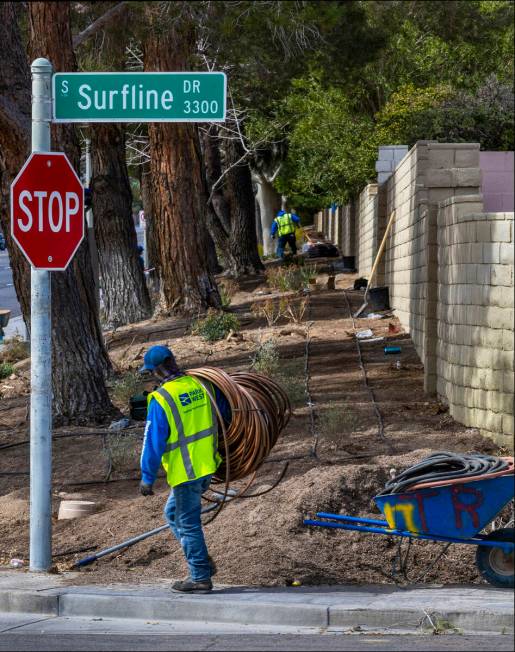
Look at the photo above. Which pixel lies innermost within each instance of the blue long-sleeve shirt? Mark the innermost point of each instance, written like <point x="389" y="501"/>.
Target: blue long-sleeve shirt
<point x="157" y="432"/>
<point x="295" y="218"/>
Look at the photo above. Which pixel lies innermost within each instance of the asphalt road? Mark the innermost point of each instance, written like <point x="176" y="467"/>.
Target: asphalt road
<point x="8" y="298"/>
<point x="323" y="642"/>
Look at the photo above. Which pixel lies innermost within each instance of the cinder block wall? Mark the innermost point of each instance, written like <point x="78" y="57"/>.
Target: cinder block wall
<point x="497" y="169"/>
<point x="368" y="223"/>
<point x="475" y="352"/>
<point x="429" y="173"/>
<point x="348" y="230"/>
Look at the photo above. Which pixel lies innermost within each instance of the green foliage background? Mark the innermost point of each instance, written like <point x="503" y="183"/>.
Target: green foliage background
<point x="376" y="73"/>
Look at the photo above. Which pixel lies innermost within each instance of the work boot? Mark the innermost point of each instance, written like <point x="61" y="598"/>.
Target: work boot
<point x="189" y="586"/>
<point x="212" y="563"/>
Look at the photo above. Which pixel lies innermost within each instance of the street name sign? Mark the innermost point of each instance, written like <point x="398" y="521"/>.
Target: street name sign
<point x="47" y="211"/>
<point x="139" y="97"/>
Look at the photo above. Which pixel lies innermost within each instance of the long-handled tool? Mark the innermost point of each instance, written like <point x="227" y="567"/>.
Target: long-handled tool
<point x="130" y="542"/>
<point x="376" y="263"/>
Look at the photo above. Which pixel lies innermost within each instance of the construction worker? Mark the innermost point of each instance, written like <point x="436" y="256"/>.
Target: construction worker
<point x="181" y="434"/>
<point x="284" y="226"/>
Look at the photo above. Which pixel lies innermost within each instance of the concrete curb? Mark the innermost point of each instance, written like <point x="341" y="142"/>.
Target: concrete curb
<point x="207" y="608"/>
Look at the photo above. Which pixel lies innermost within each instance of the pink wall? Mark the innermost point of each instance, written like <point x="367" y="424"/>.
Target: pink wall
<point x="497" y="170"/>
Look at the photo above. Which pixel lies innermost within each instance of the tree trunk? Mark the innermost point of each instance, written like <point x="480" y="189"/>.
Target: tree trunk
<point x="80" y="359"/>
<point x="124" y="292"/>
<point x="269" y="203"/>
<point x="15" y="109"/>
<point x="218" y="215"/>
<point x="178" y="189"/>
<point x="243" y="241"/>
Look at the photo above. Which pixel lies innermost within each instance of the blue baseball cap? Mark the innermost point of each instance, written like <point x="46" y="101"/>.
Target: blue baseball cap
<point x="155" y="356"/>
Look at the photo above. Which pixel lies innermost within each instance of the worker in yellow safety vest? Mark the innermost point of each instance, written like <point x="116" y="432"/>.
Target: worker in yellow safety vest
<point x="181" y="433"/>
<point x="284" y="226"/>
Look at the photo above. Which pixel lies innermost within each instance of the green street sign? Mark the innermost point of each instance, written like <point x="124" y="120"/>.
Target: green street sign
<point x="139" y="97"/>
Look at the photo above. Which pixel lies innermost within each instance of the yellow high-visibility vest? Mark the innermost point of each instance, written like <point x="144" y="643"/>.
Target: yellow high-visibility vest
<point x="192" y="447"/>
<point x="285" y="224"/>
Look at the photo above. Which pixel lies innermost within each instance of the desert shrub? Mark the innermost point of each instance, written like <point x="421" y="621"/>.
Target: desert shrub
<point x="216" y="326"/>
<point x="285" y="278"/>
<point x="272" y="310"/>
<point x="14" y="349"/>
<point x="336" y="420"/>
<point x="123" y="449"/>
<point x="296" y="310"/>
<point x="6" y="369"/>
<point x="265" y="358"/>
<point x="126" y="386"/>
<point x="227" y="288"/>
<point x="290" y="376"/>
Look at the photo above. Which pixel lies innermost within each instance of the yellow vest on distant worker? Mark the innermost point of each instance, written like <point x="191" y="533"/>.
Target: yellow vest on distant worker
<point x="192" y="447"/>
<point x="285" y="224"/>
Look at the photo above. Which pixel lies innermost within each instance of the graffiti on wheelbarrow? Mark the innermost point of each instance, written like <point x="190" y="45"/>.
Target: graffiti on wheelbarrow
<point x="456" y="510"/>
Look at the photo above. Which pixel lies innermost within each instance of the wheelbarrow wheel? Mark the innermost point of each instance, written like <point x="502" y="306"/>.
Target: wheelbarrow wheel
<point x="494" y="564"/>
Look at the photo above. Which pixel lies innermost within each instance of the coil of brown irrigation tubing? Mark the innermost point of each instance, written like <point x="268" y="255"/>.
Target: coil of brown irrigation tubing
<point x="260" y="410"/>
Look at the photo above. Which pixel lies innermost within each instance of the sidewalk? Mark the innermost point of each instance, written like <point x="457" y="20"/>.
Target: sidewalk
<point x="390" y="609"/>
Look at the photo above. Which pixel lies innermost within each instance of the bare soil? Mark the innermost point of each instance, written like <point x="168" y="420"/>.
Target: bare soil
<point x="338" y="466"/>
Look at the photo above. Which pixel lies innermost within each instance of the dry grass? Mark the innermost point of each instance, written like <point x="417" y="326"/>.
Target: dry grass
<point x="14" y="349"/>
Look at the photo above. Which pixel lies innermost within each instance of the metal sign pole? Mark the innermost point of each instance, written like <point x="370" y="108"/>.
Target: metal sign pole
<point x="93" y="251"/>
<point x="41" y="353"/>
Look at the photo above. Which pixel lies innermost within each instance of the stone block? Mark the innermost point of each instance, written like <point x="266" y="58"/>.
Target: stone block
<point x="441" y="158"/>
<point x="491" y="252"/>
<point x="466" y="158"/>
<point x="508" y="340"/>
<point x="467" y="177"/>
<point x="439" y="178"/>
<point x="501" y="231"/>
<point x="506" y="255"/>
<point x="502" y="275"/>
<point x="508" y="425"/>
<point x="385" y="166"/>
<point x="483" y="232"/>
<point x="508" y="382"/>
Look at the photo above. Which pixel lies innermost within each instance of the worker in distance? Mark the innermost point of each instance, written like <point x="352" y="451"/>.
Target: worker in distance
<point x="181" y="433"/>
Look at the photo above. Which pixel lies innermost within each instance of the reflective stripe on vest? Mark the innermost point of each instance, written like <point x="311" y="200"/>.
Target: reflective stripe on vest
<point x="285" y="224"/>
<point x="183" y="440"/>
<point x="192" y="419"/>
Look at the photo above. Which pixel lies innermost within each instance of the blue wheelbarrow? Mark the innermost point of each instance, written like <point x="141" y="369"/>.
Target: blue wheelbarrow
<point x="456" y="512"/>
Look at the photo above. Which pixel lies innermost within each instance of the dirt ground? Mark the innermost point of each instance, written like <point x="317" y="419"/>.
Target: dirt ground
<point x="336" y="461"/>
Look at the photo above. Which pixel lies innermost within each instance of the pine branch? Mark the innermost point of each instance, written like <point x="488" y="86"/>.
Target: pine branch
<point x="99" y="23"/>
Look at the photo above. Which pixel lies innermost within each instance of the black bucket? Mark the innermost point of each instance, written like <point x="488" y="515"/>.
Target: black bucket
<point x="349" y="263"/>
<point x="379" y="299"/>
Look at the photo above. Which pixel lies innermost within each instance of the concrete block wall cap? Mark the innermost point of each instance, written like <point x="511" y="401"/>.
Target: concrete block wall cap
<point x="461" y="199"/>
<point x="431" y="144"/>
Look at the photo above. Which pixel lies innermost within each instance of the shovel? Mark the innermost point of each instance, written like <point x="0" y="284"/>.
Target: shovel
<point x="376" y="263"/>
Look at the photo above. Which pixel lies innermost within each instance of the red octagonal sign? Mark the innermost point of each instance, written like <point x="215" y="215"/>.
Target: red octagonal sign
<point x="47" y="210"/>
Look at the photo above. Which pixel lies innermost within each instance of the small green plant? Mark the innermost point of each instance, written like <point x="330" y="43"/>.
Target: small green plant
<point x="336" y="420"/>
<point x="14" y="349"/>
<point x="291" y="378"/>
<point x="285" y="278"/>
<point x="227" y="288"/>
<point x="126" y="386"/>
<point x="216" y="326"/>
<point x="265" y="359"/>
<point x="308" y="273"/>
<point x="6" y="369"/>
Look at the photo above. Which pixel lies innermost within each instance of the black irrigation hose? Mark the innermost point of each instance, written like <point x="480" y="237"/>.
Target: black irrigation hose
<point x="442" y="466"/>
<point x="95" y="433"/>
<point x="380" y="423"/>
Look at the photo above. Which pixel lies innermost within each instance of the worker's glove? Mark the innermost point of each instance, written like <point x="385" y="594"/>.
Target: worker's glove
<point x="145" y="489"/>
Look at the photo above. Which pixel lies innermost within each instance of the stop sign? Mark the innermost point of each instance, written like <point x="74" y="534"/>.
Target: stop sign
<point x="47" y="210"/>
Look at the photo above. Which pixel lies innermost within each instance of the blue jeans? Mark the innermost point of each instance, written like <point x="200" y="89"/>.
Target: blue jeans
<point x="283" y="241"/>
<point x="182" y="511"/>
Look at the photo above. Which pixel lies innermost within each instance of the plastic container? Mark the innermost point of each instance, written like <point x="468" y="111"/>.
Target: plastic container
<point x="392" y="349"/>
<point x="75" y="509"/>
<point x="349" y="263"/>
<point x="379" y="299"/>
